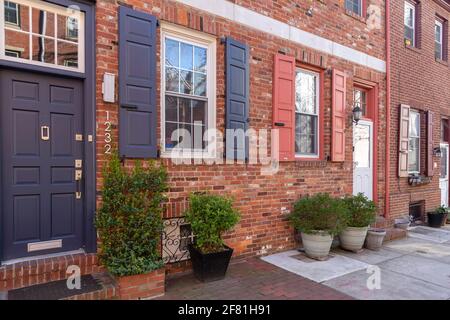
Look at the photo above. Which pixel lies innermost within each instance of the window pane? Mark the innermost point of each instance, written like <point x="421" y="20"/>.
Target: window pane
<point x="409" y="16"/>
<point x="354" y="6"/>
<point x="17" y="15"/>
<point x="186" y="141"/>
<point x="414" y="124"/>
<point x="362" y="145"/>
<point x="67" y="28"/>
<point x="172" y="80"/>
<point x="184" y="109"/>
<point x="437" y="32"/>
<point x="413" y="155"/>
<point x="360" y="100"/>
<point x="67" y="54"/>
<point x="305" y="92"/>
<point x="200" y="84"/>
<point x="409" y="34"/>
<point x="17" y="42"/>
<point x="199" y="59"/>
<point x="43" y="49"/>
<point x="305" y="134"/>
<point x="444" y="159"/>
<point x="171" y="130"/>
<point x="43" y="22"/>
<point x="186" y="56"/>
<point x="171" y="108"/>
<point x="186" y="82"/>
<point x="197" y="136"/>
<point x="172" y="53"/>
<point x="199" y="111"/>
<point x="438" y="50"/>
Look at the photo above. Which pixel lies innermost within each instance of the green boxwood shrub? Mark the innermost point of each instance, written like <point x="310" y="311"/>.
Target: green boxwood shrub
<point x="361" y="211"/>
<point x="319" y="212"/>
<point x="129" y="220"/>
<point x="210" y="216"/>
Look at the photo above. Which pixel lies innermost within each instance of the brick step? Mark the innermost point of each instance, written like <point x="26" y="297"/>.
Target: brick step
<point x="46" y="269"/>
<point x="97" y="286"/>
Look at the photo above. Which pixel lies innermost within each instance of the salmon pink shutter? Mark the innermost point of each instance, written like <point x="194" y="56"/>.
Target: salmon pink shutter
<point x="403" y="141"/>
<point x="283" y="105"/>
<point x="429" y="144"/>
<point x="338" y="116"/>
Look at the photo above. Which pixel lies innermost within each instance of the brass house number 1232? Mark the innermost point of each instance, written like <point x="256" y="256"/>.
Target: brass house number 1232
<point x="108" y="138"/>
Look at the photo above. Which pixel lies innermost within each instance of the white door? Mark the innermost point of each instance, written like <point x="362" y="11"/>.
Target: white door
<point x="443" y="178"/>
<point x="363" y="158"/>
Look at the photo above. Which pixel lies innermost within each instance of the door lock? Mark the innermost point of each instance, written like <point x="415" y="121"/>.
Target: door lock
<point x="78" y="175"/>
<point x="45" y="133"/>
<point x="78" y="163"/>
<point x="78" y="195"/>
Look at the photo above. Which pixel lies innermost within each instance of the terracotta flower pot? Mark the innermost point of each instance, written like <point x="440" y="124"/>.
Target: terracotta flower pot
<point x="317" y="245"/>
<point x="352" y="238"/>
<point x="374" y="239"/>
<point x="444" y="221"/>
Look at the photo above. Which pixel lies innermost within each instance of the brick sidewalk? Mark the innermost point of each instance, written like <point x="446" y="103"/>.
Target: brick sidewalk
<point x="252" y="279"/>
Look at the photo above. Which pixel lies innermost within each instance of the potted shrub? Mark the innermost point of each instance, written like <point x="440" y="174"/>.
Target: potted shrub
<point x="210" y="216"/>
<point x="361" y="212"/>
<point x="129" y="225"/>
<point x="437" y="217"/>
<point x="318" y="218"/>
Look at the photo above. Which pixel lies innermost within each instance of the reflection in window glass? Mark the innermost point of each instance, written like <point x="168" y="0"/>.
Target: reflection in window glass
<point x="12" y="13"/>
<point x="17" y="42"/>
<point x="444" y="162"/>
<point x="354" y="6"/>
<point x="67" y="52"/>
<point x="43" y="49"/>
<point x="43" y="22"/>
<point x="414" y="142"/>
<point x="409" y="22"/>
<point x="362" y="145"/>
<point x="360" y="100"/>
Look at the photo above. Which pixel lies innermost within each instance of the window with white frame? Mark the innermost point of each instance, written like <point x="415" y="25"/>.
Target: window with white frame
<point x="188" y="90"/>
<point x="306" y="113"/>
<point x="48" y="35"/>
<point x="410" y="24"/>
<point x="414" y="142"/>
<point x="12" y="13"/>
<point x="355" y="6"/>
<point x="438" y="27"/>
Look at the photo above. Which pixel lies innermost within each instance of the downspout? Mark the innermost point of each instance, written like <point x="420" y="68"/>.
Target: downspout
<point x="388" y="110"/>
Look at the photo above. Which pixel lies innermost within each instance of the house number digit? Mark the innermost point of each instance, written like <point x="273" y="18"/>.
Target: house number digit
<point x="108" y="138"/>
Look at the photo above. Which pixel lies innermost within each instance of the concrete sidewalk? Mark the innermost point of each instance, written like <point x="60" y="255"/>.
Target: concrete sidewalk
<point x="417" y="267"/>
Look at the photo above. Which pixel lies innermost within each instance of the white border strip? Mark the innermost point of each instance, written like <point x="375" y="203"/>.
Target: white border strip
<point x="252" y="19"/>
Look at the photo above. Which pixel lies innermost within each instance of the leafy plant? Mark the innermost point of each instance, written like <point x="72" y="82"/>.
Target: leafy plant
<point x="440" y="210"/>
<point x="210" y="216"/>
<point x="129" y="220"/>
<point x="319" y="212"/>
<point x="361" y="211"/>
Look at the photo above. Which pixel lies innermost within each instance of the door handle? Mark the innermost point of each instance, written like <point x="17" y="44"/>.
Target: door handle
<point x="78" y="176"/>
<point x="45" y="133"/>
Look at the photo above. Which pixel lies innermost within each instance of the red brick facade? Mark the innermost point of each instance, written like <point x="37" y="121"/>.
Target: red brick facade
<point x="422" y="82"/>
<point x="262" y="200"/>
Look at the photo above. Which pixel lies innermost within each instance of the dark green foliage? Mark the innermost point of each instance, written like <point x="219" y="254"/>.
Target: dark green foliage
<point x="361" y="211"/>
<point x="440" y="210"/>
<point x="319" y="212"/>
<point x="129" y="221"/>
<point x="210" y="216"/>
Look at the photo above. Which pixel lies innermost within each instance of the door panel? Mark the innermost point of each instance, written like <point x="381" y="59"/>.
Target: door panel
<point x="363" y="159"/>
<point x="38" y="175"/>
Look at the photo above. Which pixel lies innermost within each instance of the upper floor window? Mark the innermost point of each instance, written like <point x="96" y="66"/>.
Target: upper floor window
<point x="307" y="113"/>
<point x="43" y="34"/>
<point x="438" y="40"/>
<point x="414" y="142"/>
<point x="355" y="6"/>
<point x="188" y="89"/>
<point x="360" y="99"/>
<point x="410" y="24"/>
<point x="12" y="13"/>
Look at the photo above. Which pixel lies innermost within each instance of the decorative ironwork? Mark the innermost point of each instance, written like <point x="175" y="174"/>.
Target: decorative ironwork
<point x="176" y="237"/>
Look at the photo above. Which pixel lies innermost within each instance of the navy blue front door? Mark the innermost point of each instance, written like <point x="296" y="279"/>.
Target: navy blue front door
<point x="42" y="200"/>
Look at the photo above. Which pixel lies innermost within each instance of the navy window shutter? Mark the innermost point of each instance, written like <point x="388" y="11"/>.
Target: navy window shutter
<point x="137" y="82"/>
<point x="237" y="99"/>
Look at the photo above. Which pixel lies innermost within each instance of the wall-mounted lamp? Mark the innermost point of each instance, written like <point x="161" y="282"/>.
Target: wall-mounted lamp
<point x="357" y="114"/>
<point x="309" y="12"/>
<point x="437" y="152"/>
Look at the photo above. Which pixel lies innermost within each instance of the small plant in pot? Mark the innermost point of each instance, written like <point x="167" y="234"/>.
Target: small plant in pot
<point x="210" y="216"/>
<point x="318" y="218"/>
<point x="437" y="218"/>
<point x="361" y="212"/>
<point x="129" y="225"/>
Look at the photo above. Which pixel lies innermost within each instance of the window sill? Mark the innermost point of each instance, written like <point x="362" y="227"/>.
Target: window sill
<point x="412" y="48"/>
<point x="443" y="62"/>
<point x="355" y="16"/>
<point x="311" y="163"/>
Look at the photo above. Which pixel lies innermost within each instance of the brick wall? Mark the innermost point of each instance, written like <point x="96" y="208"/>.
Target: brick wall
<point x="421" y="82"/>
<point x="263" y="200"/>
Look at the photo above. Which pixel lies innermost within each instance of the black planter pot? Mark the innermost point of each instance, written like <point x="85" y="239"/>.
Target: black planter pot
<point x="211" y="266"/>
<point x="435" y="219"/>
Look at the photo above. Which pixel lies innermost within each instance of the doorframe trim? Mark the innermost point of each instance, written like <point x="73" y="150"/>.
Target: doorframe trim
<point x="89" y="85"/>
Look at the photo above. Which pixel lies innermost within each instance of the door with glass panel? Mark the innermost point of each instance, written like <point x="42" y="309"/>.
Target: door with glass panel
<point x="363" y="158"/>
<point x="443" y="178"/>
